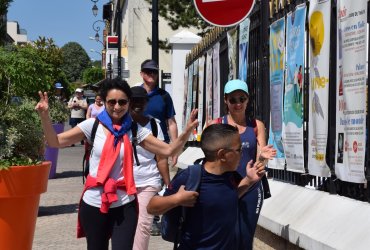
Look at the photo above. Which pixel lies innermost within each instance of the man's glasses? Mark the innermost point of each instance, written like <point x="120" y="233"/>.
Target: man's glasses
<point x="121" y="102"/>
<point x="234" y="100"/>
<point x="150" y="71"/>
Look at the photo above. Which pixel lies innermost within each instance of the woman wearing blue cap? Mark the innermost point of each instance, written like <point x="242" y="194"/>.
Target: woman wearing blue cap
<point x="252" y="135"/>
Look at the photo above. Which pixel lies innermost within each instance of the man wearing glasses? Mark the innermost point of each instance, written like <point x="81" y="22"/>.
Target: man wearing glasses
<point x="159" y="106"/>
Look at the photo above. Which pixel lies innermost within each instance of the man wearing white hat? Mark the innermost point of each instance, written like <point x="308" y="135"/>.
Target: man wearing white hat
<point x="78" y="107"/>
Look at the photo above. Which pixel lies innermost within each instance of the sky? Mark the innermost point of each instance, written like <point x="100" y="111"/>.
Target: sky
<point x="63" y="20"/>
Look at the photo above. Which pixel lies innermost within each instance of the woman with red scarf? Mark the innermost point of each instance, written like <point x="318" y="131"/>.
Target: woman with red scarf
<point x="108" y="208"/>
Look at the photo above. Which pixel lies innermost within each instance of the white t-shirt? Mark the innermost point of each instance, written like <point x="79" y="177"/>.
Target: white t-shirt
<point x="93" y="196"/>
<point x="147" y="173"/>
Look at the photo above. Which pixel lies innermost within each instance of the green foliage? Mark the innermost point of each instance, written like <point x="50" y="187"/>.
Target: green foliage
<point x="93" y="75"/>
<point x="58" y="111"/>
<point x="21" y="135"/>
<point x="181" y="13"/>
<point x="75" y="61"/>
<point x="26" y="69"/>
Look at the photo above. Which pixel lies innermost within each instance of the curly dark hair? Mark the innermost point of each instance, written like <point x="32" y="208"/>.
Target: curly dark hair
<point x="116" y="83"/>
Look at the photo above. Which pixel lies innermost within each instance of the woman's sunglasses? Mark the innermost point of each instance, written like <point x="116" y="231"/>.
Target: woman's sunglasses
<point x="121" y="102"/>
<point x="234" y="100"/>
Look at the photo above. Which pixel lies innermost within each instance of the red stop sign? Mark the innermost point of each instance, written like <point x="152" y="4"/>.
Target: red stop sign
<point x="224" y="12"/>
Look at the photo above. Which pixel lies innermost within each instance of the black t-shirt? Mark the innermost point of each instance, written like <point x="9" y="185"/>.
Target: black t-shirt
<point x="211" y="223"/>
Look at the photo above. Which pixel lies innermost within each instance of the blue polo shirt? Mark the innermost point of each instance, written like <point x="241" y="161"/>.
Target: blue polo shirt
<point x="160" y="106"/>
<point x="211" y="223"/>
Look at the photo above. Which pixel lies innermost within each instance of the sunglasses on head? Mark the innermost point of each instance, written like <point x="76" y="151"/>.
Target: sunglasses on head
<point x="121" y="102"/>
<point x="234" y="100"/>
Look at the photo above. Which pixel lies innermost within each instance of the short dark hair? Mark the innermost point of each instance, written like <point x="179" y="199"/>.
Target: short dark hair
<point x="116" y="83"/>
<point x="215" y="137"/>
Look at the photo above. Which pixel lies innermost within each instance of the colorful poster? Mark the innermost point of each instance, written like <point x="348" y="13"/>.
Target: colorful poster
<point x="209" y="88"/>
<point x="351" y="91"/>
<point x="216" y="80"/>
<point x="293" y="101"/>
<point x="232" y="37"/>
<point x="243" y="48"/>
<point x="277" y="62"/>
<point x="319" y="47"/>
<point x="195" y="84"/>
<point x="200" y="95"/>
<point x="186" y="80"/>
<point x="189" y="96"/>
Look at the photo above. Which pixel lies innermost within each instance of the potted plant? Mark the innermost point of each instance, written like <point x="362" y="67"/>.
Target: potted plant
<point x="59" y="114"/>
<point x="23" y="175"/>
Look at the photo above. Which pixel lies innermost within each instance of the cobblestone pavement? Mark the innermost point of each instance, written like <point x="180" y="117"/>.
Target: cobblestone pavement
<point x="56" y="222"/>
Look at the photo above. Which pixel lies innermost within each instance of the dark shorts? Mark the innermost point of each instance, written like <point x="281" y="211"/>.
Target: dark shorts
<point x="74" y="121"/>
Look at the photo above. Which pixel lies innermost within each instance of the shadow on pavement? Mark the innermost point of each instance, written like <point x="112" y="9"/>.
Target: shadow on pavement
<point x="56" y="210"/>
<point x="68" y="174"/>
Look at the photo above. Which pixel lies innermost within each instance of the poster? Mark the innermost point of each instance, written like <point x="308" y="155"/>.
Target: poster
<point x="189" y="95"/>
<point x="186" y="80"/>
<point x="243" y="49"/>
<point x="231" y="42"/>
<point x="277" y="62"/>
<point x="216" y="80"/>
<point x="351" y="91"/>
<point x="209" y="88"/>
<point x="200" y="95"/>
<point x="319" y="46"/>
<point x="293" y="101"/>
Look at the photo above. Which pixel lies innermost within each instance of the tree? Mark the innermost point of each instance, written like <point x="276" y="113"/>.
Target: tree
<point x="93" y="75"/>
<point x="4" y="4"/>
<point x="28" y="68"/>
<point x="181" y="13"/>
<point x="75" y="61"/>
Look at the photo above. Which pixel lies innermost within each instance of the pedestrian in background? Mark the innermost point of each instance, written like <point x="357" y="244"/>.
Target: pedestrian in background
<point x="160" y="106"/>
<point x="78" y="105"/>
<point x="95" y="108"/>
<point x="148" y="171"/>
<point x="108" y="209"/>
<point x="253" y="138"/>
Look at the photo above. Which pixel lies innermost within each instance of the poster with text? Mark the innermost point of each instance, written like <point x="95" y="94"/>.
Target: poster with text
<point x="216" y="80"/>
<point x="293" y="101"/>
<point x="209" y="88"/>
<point x="195" y="84"/>
<point x="186" y="80"/>
<point x="351" y="91"/>
<point x="277" y="62"/>
<point x="200" y="95"/>
<point x="189" y="96"/>
<point x="319" y="48"/>
<point x="243" y="48"/>
<point x="232" y="37"/>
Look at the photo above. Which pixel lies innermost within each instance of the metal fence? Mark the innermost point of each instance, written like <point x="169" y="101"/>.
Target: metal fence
<point x="263" y="14"/>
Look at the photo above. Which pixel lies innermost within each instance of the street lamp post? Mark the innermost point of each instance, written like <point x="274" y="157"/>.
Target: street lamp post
<point x="96" y="28"/>
<point x="94" y="38"/>
<point x="95" y="8"/>
<point x="155" y="55"/>
<point x="119" y="17"/>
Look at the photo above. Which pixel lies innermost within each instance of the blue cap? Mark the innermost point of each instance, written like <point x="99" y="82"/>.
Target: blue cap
<point x="58" y="85"/>
<point x="236" y="84"/>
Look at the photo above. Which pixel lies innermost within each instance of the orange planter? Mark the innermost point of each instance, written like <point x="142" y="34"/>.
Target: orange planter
<point x="20" y="189"/>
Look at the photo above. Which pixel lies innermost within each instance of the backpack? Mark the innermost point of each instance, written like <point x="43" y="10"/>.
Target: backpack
<point x="153" y="124"/>
<point x="172" y="221"/>
<point x="88" y="148"/>
<point x="265" y="183"/>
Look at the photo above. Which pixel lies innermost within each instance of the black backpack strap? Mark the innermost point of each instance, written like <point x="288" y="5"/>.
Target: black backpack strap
<point x="134" y="141"/>
<point x="153" y="124"/>
<point x="192" y="184"/>
<point x="85" y="164"/>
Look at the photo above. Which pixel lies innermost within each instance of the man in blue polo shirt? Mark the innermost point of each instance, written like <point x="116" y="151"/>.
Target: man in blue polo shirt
<point x="159" y="106"/>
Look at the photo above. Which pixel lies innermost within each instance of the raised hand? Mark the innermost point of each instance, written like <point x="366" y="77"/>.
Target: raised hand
<point x="268" y="152"/>
<point x="255" y="171"/>
<point x="193" y="121"/>
<point x="42" y="107"/>
<point x="186" y="198"/>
